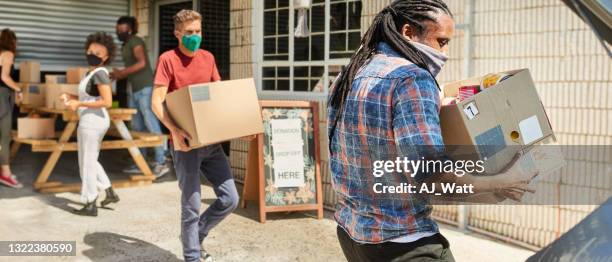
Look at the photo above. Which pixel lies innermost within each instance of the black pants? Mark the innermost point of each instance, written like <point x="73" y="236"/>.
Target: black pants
<point x="433" y="248"/>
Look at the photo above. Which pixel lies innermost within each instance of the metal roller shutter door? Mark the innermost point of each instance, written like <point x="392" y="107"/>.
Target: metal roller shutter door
<point x="54" y="31"/>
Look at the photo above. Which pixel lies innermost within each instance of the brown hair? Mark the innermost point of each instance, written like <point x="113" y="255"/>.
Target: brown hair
<point x="8" y="40"/>
<point x="104" y="39"/>
<point x="185" y="15"/>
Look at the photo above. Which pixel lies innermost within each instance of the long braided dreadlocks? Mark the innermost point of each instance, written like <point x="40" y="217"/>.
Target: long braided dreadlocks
<point x="386" y="27"/>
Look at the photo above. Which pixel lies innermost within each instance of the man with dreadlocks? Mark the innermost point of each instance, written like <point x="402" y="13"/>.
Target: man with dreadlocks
<point x="385" y="104"/>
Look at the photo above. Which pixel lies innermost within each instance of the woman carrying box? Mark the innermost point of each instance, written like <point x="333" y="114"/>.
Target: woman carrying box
<point x="10" y="93"/>
<point x="95" y="96"/>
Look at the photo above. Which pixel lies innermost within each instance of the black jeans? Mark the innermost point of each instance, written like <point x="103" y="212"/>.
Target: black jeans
<point x="433" y="248"/>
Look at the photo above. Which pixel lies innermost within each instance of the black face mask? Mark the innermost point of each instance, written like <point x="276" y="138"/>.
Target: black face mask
<point x="93" y="60"/>
<point x="123" y="36"/>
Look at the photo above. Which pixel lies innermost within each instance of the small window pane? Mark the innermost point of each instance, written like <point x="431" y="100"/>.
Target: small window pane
<point x="355" y="15"/>
<point x="300" y="71"/>
<point x="316" y="71"/>
<point x="269" y="85"/>
<point x="269" y="72"/>
<point x="354" y="40"/>
<point x="283" y="85"/>
<point x="317" y="19"/>
<point x="283" y="72"/>
<point x="283" y="3"/>
<point x="283" y="45"/>
<point x="270" y="46"/>
<point x="270" y="23"/>
<point x="300" y="85"/>
<point x="337" y="42"/>
<point x="283" y="22"/>
<point x="338" y="16"/>
<point x="317" y="48"/>
<point x="302" y="49"/>
<point x="270" y="4"/>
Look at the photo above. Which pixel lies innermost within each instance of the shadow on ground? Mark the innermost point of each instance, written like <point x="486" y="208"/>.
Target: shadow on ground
<point x="252" y="210"/>
<point x="106" y="246"/>
<point x="27" y="165"/>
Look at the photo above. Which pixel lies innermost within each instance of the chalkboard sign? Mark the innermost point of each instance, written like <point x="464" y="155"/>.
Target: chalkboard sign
<point x="283" y="169"/>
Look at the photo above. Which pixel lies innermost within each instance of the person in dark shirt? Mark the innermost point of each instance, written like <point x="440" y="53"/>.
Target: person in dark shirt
<point x="140" y="77"/>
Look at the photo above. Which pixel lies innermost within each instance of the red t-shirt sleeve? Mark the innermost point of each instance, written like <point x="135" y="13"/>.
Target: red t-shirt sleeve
<point x="215" y="73"/>
<point x="163" y="74"/>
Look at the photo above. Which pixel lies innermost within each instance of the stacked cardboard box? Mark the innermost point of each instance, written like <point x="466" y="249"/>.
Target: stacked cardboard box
<point x="75" y="74"/>
<point x="35" y="128"/>
<point x="29" y="72"/>
<point x="496" y="123"/>
<point x="33" y="94"/>
<point x="54" y="92"/>
<point x="55" y="79"/>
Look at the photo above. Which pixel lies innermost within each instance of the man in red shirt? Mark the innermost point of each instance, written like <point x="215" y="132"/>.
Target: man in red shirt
<point x="178" y="68"/>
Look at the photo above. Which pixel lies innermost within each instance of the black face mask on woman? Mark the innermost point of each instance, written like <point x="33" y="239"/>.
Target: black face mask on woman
<point x="93" y="60"/>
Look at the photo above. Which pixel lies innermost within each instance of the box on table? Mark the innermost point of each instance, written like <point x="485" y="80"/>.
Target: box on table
<point x="55" y="91"/>
<point x="29" y="72"/>
<point x="33" y="94"/>
<point x="75" y="74"/>
<point x="35" y="128"/>
<point x="496" y="123"/>
<point x="55" y="79"/>
<point x="216" y="112"/>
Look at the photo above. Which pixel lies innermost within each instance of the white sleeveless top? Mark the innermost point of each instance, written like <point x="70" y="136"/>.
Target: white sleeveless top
<point x="94" y="118"/>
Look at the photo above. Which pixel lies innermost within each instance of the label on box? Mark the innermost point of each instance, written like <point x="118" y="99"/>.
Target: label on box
<point x="199" y="93"/>
<point x="471" y="110"/>
<point x="530" y="129"/>
<point x="33" y="89"/>
<point x="490" y="142"/>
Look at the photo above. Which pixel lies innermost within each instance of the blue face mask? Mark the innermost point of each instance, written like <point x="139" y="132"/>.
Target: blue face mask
<point x="191" y="42"/>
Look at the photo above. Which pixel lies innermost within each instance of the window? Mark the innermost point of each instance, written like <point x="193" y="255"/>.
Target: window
<point x="300" y="65"/>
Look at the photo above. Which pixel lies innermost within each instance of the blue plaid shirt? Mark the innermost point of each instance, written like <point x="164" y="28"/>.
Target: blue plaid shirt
<point x="391" y="111"/>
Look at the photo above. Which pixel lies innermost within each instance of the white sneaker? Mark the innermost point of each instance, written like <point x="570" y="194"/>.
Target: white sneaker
<point x="205" y="256"/>
<point x="160" y="170"/>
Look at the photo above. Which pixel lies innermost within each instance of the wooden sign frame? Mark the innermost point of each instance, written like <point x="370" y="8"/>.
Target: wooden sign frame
<point x="255" y="179"/>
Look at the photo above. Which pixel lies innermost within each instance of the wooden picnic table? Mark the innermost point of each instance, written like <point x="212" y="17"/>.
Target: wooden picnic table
<point x="131" y="141"/>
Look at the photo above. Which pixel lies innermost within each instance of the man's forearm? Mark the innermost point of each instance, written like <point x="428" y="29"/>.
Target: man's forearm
<point x="134" y="68"/>
<point x="160" y="111"/>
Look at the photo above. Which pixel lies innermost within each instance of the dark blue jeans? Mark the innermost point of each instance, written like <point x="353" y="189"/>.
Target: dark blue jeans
<point x="212" y="162"/>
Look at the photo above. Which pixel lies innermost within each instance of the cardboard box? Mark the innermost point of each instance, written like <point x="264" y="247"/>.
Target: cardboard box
<point x="35" y="128"/>
<point x="29" y="72"/>
<point x="54" y="91"/>
<point x="55" y="79"/>
<point x="75" y="74"/>
<point x="216" y="112"/>
<point x="495" y="124"/>
<point x="33" y="94"/>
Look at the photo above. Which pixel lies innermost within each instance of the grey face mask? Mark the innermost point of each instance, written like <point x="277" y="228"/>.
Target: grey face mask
<point x="434" y="59"/>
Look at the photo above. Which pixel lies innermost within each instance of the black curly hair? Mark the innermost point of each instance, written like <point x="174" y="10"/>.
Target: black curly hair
<point x="103" y="39"/>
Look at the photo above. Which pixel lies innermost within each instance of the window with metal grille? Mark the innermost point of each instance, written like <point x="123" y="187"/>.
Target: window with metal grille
<point x="216" y="32"/>
<point x="296" y="65"/>
<point x="167" y="40"/>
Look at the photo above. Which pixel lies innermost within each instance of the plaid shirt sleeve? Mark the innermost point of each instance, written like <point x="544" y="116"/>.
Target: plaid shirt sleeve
<point x="416" y="121"/>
